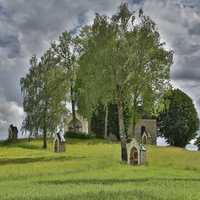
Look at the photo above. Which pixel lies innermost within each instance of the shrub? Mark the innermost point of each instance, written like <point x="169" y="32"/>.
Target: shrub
<point x="79" y="135"/>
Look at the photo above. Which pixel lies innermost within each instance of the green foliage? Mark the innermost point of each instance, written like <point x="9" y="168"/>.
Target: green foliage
<point x="179" y="121"/>
<point x="98" y="120"/>
<point x="66" y="50"/>
<point x="197" y="143"/>
<point x="113" y="120"/>
<point x="129" y="138"/>
<point x="91" y="169"/>
<point x="44" y="95"/>
<point x="79" y="135"/>
<point x="122" y="61"/>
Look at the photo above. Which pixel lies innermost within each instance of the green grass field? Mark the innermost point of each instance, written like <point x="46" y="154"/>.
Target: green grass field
<point x="92" y="169"/>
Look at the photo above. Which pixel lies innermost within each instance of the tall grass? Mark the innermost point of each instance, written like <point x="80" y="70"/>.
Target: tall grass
<point x="92" y="169"/>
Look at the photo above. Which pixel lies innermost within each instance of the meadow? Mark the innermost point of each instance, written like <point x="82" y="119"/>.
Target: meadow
<point x="92" y="169"/>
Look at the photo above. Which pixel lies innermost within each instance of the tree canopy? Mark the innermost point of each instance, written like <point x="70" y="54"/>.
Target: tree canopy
<point x="66" y="52"/>
<point x="115" y="61"/>
<point x="123" y="61"/>
<point x="179" y="121"/>
<point x="197" y="143"/>
<point x="44" y="96"/>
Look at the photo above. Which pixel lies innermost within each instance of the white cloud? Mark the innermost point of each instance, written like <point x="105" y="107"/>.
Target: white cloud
<point x="10" y="113"/>
<point x="178" y="25"/>
<point x="28" y="27"/>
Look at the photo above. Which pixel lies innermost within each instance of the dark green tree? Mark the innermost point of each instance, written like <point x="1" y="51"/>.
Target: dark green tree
<point x="197" y="143"/>
<point x="98" y="120"/>
<point x="179" y="122"/>
<point x="44" y="96"/>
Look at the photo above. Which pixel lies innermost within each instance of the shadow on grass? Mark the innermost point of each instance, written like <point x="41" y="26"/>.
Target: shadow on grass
<point x="92" y="181"/>
<point x="37" y="159"/>
<point x="25" y="143"/>
<point x="88" y="141"/>
<point x="22" y="143"/>
<point x="111" y="181"/>
<point x="134" y="194"/>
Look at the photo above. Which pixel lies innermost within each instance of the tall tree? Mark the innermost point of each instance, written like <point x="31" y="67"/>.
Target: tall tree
<point x="197" y="143"/>
<point x="44" y="96"/>
<point x="124" y="60"/>
<point x="67" y="51"/>
<point x="179" y="121"/>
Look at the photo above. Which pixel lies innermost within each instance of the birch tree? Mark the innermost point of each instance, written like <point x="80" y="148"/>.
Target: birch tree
<point x="66" y="49"/>
<point x="125" y="60"/>
<point x="44" y="91"/>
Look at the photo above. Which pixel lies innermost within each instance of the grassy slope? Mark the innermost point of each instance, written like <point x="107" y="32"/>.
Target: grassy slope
<point x="93" y="169"/>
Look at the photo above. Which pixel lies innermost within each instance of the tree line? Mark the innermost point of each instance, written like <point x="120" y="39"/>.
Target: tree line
<point x="116" y="61"/>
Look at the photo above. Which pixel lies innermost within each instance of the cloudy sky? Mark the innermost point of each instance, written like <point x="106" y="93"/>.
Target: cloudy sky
<point x="27" y="27"/>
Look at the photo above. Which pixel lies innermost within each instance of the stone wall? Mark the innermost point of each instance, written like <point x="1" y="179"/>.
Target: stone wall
<point x="150" y="127"/>
<point x="81" y="123"/>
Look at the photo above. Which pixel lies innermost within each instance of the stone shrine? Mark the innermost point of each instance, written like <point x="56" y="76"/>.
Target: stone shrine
<point x="59" y="143"/>
<point x="136" y="153"/>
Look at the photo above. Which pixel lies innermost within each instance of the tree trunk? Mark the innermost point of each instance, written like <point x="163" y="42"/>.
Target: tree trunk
<point x="106" y="124"/>
<point x="134" y="120"/>
<point x="121" y="124"/>
<point x="73" y="109"/>
<point x="89" y="125"/>
<point x="44" y="136"/>
<point x="134" y="116"/>
<point x="45" y="128"/>
<point x="44" y="140"/>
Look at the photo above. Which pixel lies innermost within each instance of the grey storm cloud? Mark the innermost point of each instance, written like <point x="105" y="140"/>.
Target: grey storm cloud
<point x="28" y="27"/>
<point x="194" y="29"/>
<point x="187" y="74"/>
<point x="12" y="43"/>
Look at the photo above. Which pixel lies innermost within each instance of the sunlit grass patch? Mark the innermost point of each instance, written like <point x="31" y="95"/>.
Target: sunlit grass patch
<point x="92" y="169"/>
